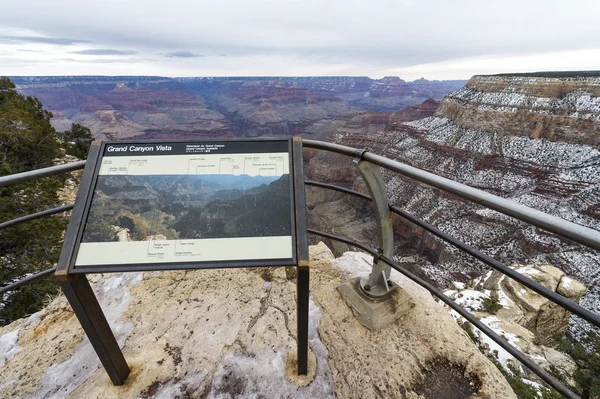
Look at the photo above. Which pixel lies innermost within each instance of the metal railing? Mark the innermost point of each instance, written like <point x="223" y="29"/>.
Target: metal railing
<point x="39" y="173"/>
<point x="563" y="228"/>
<point x="28" y="176"/>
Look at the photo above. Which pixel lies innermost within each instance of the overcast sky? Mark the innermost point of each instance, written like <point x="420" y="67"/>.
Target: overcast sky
<point x="435" y="39"/>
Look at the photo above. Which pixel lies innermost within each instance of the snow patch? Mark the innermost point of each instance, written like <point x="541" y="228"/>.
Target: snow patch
<point x="62" y="378"/>
<point x="494" y="324"/>
<point x="13" y="381"/>
<point x="259" y="374"/>
<point x="527" y="270"/>
<point x="32" y="319"/>
<point x="566" y="282"/>
<point x="355" y="264"/>
<point x="9" y="346"/>
<point x="470" y="299"/>
<point x="503" y="299"/>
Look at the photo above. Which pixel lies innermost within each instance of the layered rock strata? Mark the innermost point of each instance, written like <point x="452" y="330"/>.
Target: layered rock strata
<point x="158" y="107"/>
<point x="555" y="172"/>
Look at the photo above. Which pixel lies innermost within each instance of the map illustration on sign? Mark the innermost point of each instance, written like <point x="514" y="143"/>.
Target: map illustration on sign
<point x="189" y="202"/>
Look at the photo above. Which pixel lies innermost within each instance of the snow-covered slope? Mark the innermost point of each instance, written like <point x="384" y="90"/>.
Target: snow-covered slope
<point x="533" y="140"/>
<point x="557" y="108"/>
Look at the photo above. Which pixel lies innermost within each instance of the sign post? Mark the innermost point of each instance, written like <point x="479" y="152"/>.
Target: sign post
<point x="303" y="272"/>
<point x="164" y="205"/>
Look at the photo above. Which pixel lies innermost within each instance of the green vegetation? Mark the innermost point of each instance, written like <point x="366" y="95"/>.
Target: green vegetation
<point x="77" y="140"/>
<point x="513" y="376"/>
<point x="27" y="142"/>
<point x="491" y="304"/>
<point x="586" y="355"/>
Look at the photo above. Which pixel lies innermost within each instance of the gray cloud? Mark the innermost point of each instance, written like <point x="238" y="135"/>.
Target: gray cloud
<point x="182" y="54"/>
<point x="102" y="61"/>
<point x="41" y="39"/>
<point x="107" y="51"/>
<point x="312" y="36"/>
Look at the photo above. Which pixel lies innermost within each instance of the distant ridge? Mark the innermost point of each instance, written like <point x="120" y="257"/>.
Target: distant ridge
<point x="551" y="74"/>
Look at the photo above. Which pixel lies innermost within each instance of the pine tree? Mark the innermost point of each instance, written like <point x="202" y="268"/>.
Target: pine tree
<point x="77" y="140"/>
<point x="27" y="142"/>
<point x="586" y="355"/>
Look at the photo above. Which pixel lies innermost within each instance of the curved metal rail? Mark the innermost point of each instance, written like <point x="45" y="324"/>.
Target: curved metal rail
<point x="552" y="381"/>
<point x="501" y="267"/>
<point x="573" y="231"/>
<point x="33" y="175"/>
<point x="563" y="228"/>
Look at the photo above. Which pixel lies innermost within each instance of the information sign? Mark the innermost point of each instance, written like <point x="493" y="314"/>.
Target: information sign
<point x="157" y="205"/>
<point x="174" y="205"/>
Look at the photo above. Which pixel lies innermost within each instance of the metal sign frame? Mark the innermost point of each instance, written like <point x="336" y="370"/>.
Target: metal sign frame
<point x="80" y="295"/>
<point x="89" y="185"/>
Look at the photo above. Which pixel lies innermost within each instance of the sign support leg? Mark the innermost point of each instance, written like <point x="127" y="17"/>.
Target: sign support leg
<point x="78" y="291"/>
<point x="303" y="276"/>
<point x="302" y="281"/>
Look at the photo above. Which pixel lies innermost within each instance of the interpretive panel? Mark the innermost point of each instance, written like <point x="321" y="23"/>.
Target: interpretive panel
<point x="172" y="205"/>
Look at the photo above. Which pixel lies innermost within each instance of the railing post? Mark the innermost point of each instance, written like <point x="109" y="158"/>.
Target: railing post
<point x="377" y="283"/>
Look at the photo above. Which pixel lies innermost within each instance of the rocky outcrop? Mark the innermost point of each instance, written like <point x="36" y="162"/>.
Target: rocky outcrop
<point x="529" y="309"/>
<point x="539" y="315"/>
<point x="524" y="318"/>
<point x="559" y="108"/>
<point x="227" y="333"/>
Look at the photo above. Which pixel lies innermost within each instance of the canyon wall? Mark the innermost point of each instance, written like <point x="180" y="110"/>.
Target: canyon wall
<point x="478" y="137"/>
<point x="565" y="109"/>
<point x="157" y="107"/>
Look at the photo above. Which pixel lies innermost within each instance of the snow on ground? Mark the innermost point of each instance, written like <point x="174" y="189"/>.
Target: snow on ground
<point x="469" y="299"/>
<point x="9" y="346"/>
<point x="2" y="386"/>
<point x="494" y="323"/>
<point x="360" y="264"/>
<point x="527" y="270"/>
<point x="62" y="378"/>
<point x="566" y="282"/>
<point x="261" y="373"/>
<point x="355" y="264"/>
<point x="503" y="299"/>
